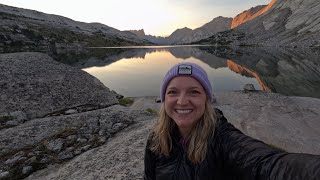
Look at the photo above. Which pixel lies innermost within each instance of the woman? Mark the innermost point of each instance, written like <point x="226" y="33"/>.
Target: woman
<point x="191" y="140"/>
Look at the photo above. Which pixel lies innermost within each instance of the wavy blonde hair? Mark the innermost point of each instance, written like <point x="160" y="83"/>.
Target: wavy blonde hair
<point x="161" y="142"/>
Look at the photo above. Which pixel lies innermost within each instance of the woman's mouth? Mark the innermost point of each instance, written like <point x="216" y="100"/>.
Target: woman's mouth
<point x="183" y="111"/>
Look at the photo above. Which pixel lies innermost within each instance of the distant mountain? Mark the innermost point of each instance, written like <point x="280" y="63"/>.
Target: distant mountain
<point x="218" y="24"/>
<point x="29" y="29"/>
<point x="178" y="35"/>
<point x="153" y="39"/>
<point x="186" y="35"/>
<point x="293" y="23"/>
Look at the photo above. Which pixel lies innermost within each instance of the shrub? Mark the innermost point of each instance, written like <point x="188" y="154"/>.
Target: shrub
<point x="126" y="101"/>
<point x="152" y="111"/>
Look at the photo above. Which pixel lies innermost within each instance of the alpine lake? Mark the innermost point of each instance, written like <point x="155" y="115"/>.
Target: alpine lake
<point x="135" y="71"/>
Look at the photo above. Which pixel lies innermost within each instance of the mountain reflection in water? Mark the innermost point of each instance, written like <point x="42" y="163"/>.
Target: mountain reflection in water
<point x="139" y="71"/>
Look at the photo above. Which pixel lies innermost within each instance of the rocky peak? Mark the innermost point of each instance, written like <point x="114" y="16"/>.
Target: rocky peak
<point x="247" y="15"/>
<point x="139" y="32"/>
<point x="177" y="35"/>
<point x="181" y="32"/>
<point x="218" y="24"/>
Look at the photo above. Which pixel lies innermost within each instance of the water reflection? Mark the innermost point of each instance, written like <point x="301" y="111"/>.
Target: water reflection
<point x="138" y="76"/>
<point x="286" y="71"/>
<point x="138" y="72"/>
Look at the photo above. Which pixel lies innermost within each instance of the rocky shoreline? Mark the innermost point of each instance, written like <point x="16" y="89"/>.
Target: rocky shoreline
<point x="51" y="112"/>
<point x="58" y="122"/>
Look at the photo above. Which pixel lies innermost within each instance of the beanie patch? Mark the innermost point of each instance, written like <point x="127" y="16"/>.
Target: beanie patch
<point x="184" y="69"/>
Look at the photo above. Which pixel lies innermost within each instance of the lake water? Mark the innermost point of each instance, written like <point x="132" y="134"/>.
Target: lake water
<point x="138" y="71"/>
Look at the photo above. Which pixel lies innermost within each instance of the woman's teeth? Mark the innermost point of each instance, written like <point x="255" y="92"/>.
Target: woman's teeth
<point x="185" y="111"/>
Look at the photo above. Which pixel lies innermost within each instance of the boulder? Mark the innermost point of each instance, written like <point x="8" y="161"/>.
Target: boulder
<point x="248" y="87"/>
<point x="35" y="85"/>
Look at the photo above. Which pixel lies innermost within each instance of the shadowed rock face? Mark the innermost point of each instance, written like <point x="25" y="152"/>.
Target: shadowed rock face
<point x="35" y="86"/>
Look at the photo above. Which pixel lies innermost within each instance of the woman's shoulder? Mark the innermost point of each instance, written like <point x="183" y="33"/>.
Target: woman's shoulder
<point x="220" y="118"/>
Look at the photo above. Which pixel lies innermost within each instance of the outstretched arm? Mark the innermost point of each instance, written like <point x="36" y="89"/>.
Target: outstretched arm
<point x="248" y="158"/>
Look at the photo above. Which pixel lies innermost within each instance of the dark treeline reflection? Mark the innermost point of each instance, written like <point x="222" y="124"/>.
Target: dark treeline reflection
<point x="291" y="72"/>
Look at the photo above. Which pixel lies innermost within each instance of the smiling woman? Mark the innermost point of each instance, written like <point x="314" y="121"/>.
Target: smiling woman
<point x="192" y="140"/>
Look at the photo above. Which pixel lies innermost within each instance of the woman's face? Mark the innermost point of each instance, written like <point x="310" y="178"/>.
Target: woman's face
<point x="185" y="100"/>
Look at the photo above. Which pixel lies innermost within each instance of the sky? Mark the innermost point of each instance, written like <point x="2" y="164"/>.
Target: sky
<point x="156" y="17"/>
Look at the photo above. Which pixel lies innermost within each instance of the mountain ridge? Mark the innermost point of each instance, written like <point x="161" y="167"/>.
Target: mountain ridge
<point x="286" y="23"/>
<point x="26" y="30"/>
<point x="186" y="35"/>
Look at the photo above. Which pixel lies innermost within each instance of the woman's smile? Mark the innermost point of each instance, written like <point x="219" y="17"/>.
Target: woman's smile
<point x="183" y="111"/>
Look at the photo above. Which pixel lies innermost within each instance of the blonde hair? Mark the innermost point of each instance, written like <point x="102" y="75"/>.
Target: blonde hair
<point x="161" y="142"/>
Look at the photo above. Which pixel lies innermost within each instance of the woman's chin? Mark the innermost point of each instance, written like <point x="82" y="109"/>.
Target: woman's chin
<point x="184" y="125"/>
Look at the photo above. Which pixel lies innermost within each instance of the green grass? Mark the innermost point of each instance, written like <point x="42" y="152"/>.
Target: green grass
<point x="126" y="101"/>
<point x="152" y="111"/>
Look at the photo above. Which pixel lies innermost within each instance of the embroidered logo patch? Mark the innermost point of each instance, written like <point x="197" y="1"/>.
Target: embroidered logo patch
<point x="185" y="69"/>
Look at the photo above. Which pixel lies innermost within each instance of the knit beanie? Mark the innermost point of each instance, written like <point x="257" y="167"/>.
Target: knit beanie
<point x="187" y="69"/>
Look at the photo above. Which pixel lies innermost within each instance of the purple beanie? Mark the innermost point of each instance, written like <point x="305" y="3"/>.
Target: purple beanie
<point x="186" y="69"/>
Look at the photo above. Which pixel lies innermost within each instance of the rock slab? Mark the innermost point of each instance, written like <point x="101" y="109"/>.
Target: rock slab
<point x="32" y="85"/>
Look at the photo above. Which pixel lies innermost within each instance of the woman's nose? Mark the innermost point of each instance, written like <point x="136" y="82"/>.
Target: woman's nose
<point x="182" y="99"/>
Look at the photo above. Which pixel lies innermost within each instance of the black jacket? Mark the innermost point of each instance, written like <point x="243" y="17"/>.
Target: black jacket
<point x="231" y="155"/>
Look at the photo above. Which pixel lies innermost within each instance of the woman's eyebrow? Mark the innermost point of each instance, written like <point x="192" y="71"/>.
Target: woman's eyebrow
<point x="195" y="87"/>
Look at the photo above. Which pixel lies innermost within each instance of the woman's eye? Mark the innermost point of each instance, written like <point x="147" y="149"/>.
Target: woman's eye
<point x="194" y="92"/>
<point x="171" y="92"/>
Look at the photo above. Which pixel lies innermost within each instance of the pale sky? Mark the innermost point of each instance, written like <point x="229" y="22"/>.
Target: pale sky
<point x="156" y="17"/>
